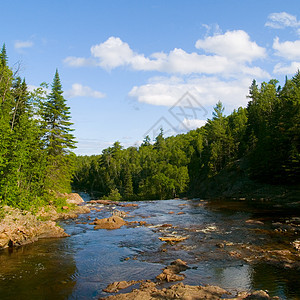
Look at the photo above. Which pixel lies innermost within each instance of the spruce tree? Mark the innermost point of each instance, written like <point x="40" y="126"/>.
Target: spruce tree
<point x="59" y="140"/>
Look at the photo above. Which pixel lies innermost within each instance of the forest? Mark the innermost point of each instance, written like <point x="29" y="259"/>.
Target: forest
<point x="36" y="141"/>
<point x="37" y="162"/>
<point x="263" y="139"/>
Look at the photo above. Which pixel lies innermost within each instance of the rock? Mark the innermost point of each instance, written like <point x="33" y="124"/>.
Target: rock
<point x="119" y="285"/>
<point x="113" y="222"/>
<point x="166" y="225"/>
<point x="171" y="272"/>
<point x="172" y="239"/>
<point x="178" y="266"/>
<point x="74" y="198"/>
<point x="103" y="202"/>
<point x="258" y="295"/>
<point x="148" y="291"/>
<point x="281" y="252"/>
<point x="120" y="213"/>
<point x="296" y="244"/>
<point x="19" y="228"/>
<point x="254" y="222"/>
<point x="168" y="276"/>
<point x="220" y="245"/>
<point x="129" y="205"/>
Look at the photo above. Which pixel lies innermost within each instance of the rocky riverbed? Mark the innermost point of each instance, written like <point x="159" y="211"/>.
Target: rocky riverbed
<point x="175" y="249"/>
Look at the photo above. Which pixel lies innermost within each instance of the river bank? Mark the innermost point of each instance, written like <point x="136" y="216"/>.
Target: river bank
<point x="19" y="228"/>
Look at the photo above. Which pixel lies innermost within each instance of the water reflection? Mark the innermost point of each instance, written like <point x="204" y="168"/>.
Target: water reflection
<point x="42" y="270"/>
<point x="285" y="284"/>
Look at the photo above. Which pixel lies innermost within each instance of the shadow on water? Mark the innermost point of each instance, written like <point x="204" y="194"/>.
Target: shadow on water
<point x="43" y="270"/>
<point x="285" y="284"/>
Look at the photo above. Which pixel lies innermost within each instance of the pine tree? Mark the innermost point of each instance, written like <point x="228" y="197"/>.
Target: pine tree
<point x="58" y="138"/>
<point x="56" y="116"/>
<point x="3" y="56"/>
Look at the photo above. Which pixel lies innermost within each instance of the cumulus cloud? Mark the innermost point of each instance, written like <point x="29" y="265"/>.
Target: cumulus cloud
<point x="287" y="69"/>
<point x="231" y="53"/>
<point x="206" y="89"/>
<point x="113" y="53"/>
<point x="289" y="50"/>
<point x="23" y="44"/>
<point x="79" y="90"/>
<point x="234" y="45"/>
<point x="282" y="20"/>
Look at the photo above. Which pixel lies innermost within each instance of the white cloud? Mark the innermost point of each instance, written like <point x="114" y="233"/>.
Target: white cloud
<point x="112" y="53"/>
<point x="207" y="91"/>
<point x="235" y="45"/>
<point x="73" y="61"/>
<point x="289" y="50"/>
<point x="282" y="20"/>
<point x="287" y="69"/>
<point x="192" y="123"/>
<point x="79" y="90"/>
<point x="23" y="44"/>
<point x="232" y="51"/>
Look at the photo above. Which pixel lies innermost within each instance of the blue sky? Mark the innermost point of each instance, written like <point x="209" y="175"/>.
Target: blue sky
<point x="131" y="67"/>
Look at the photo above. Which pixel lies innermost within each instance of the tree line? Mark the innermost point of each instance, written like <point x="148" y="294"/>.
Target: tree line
<point x="36" y="141"/>
<point x="266" y="134"/>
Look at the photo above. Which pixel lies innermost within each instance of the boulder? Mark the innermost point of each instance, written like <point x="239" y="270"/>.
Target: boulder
<point x="113" y="222"/>
<point x="171" y="272"/>
<point x="74" y="198"/>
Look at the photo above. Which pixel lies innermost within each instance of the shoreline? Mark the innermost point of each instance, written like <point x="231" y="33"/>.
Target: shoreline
<point x="18" y="228"/>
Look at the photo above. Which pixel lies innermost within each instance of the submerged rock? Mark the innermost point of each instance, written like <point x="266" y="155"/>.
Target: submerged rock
<point x="119" y="285"/>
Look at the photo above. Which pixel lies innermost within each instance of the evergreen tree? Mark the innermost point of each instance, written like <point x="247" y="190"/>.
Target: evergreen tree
<point x="58" y="138"/>
<point x="57" y="125"/>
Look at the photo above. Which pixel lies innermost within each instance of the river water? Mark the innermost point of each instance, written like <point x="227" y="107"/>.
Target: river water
<point x="82" y="265"/>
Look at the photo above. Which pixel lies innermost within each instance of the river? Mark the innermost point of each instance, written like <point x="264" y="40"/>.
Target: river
<point x="217" y="232"/>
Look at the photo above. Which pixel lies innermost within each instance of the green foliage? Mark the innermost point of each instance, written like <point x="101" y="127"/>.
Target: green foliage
<point x="114" y="195"/>
<point x="33" y="153"/>
<point x="2" y="213"/>
<point x="266" y="133"/>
